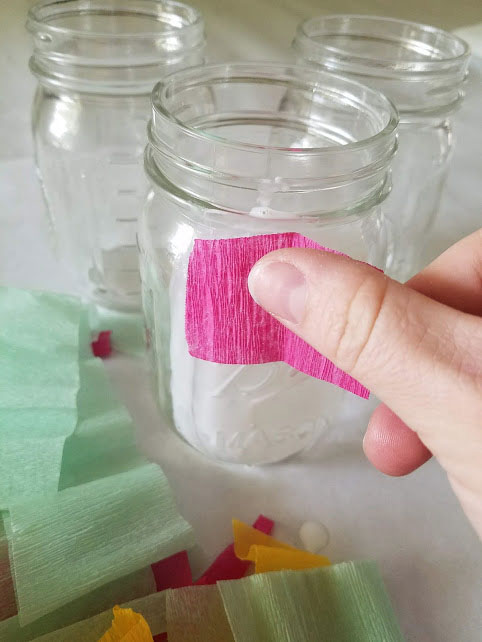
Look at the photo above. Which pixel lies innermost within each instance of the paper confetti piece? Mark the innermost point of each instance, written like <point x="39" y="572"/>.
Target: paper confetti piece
<point x="227" y="566"/>
<point x="314" y="536"/>
<point x="85" y="536"/>
<point x="268" y="553"/>
<point x="172" y="572"/>
<point x="39" y="381"/>
<point x="196" y="614"/>
<point x="101" y="347"/>
<point x="267" y="558"/>
<point x="128" y="330"/>
<point x="223" y="324"/>
<point x="246" y="536"/>
<point x="151" y="607"/>
<point x="345" y="602"/>
<point x="127" y="626"/>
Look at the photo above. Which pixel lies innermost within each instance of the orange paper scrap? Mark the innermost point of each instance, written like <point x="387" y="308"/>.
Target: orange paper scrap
<point x="127" y="626"/>
<point x="269" y="554"/>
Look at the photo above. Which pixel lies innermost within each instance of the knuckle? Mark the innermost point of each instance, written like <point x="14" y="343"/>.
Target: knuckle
<point x="358" y="327"/>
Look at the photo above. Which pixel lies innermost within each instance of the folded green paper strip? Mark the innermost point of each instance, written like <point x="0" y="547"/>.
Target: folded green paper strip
<point x="39" y="381"/>
<point x="151" y="607"/>
<point x="196" y="614"/>
<point x="138" y="584"/>
<point x="103" y="443"/>
<point x="85" y="536"/>
<point x="62" y="428"/>
<point x="344" y="602"/>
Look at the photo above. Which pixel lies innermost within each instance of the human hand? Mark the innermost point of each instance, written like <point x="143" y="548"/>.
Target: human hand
<point x="417" y="346"/>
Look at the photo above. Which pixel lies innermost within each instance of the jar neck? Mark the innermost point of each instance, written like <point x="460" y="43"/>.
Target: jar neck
<point x="274" y="141"/>
<point x="268" y="199"/>
<point x="420" y="68"/>
<point x="113" y="47"/>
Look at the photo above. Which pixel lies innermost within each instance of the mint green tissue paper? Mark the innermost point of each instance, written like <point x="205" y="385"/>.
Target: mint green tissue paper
<point x="151" y="607"/>
<point x="39" y="349"/>
<point x="70" y="543"/>
<point x="138" y="584"/>
<point x="344" y="602"/>
<point x="84" y="513"/>
<point x="103" y="442"/>
<point x="39" y="381"/>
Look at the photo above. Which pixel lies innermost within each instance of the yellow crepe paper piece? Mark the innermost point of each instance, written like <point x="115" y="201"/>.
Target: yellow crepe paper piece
<point x="268" y="553"/>
<point x="246" y="536"/>
<point x="127" y="626"/>
<point x="280" y="559"/>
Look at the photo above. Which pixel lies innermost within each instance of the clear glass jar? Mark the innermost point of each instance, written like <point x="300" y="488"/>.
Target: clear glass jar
<point x="96" y="62"/>
<point x="228" y="156"/>
<point x="422" y="70"/>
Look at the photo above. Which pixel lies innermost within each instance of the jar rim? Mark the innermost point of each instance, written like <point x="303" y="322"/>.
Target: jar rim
<point x="40" y="14"/>
<point x="266" y="70"/>
<point x="376" y="26"/>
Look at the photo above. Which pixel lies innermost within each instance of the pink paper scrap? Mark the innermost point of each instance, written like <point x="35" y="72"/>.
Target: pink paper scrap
<point x="172" y="572"/>
<point x="225" y="325"/>
<point x="101" y="347"/>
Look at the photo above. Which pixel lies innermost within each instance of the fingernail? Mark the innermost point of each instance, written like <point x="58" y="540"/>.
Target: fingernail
<point x="280" y="288"/>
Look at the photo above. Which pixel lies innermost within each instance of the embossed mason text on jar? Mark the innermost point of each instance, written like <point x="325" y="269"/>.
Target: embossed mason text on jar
<point x="228" y="157"/>
<point x="96" y="62"/>
<point x="422" y="70"/>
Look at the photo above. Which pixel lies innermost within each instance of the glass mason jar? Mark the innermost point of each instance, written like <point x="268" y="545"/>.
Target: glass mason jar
<point x="228" y="156"/>
<point x="96" y="62"/>
<point x="422" y="70"/>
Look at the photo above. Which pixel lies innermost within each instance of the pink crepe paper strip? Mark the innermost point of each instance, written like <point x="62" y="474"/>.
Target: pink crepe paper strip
<point x="101" y="347"/>
<point x="229" y="567"/>
<point x="8" y="604"/>
<point x="225" y="325"/>
<point x="172" y="572"/>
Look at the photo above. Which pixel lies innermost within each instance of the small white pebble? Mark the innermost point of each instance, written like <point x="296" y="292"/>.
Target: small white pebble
<point x="314" y="536"/>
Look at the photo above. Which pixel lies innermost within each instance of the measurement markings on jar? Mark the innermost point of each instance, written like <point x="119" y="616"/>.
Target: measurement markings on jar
<point x="126" y="177"/>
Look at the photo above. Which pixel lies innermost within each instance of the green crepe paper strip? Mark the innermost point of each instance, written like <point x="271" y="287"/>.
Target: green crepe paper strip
<point x="196" y="614"/>
<point x="85" y="536"/>
<point x="152" y="608"/>
<point x="103" y="443"/>
<point x="128" y="331"/>
<point x="345" y="602"/>
<point x="135" y="585"/>
<point x="39" y="381"/>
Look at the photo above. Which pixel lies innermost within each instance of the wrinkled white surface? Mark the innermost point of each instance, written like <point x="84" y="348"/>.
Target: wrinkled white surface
<point x="414" y="527"/>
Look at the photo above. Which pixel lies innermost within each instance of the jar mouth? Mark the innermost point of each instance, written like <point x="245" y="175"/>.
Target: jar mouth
<point x="380" y="45"/>
<point x="112" y="46"/>
<point x="113" y="19"/>
<point x="280" y="140"/>
<point x="249" y="119"/>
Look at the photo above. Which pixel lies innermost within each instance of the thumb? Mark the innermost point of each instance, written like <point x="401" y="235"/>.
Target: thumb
<point x="413" y="352"/>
